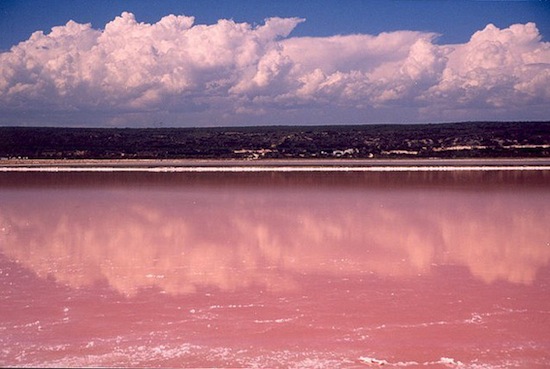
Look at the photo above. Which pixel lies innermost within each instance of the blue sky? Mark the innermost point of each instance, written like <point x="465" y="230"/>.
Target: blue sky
<point x="455" y="20"/>
<point x="325" y="62"/>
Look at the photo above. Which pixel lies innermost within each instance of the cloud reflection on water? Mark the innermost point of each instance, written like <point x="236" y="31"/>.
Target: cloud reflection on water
<point x="180" y="239"/>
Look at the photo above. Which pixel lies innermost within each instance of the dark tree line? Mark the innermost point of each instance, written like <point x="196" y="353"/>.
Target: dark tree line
<point x="471" y="139"/>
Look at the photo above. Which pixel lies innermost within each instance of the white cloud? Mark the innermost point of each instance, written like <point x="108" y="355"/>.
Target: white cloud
<point x="236" y="71"/>
<point x="496" y="69"/>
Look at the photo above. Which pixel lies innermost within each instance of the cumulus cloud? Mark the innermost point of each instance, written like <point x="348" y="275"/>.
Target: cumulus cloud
<point x="501" y="69"/>
<point x="237" y="70"/>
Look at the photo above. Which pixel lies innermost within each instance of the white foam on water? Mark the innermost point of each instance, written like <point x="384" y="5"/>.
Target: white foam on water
<point x="445" y="361"/>
<point x="235" y="306"/>
<point x="372" y="361"/>
<point x="129" y="356"/>
<point x="450" y="362"/>
<point x="92" y="353"/>
<point x="295" y="359"/>
<point x="268" y="321"/>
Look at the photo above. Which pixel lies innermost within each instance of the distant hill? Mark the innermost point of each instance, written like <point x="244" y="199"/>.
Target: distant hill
<point x="448" y="140"/>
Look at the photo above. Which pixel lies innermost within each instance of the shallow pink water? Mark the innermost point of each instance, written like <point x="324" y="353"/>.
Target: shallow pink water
<point x="324" y="270"/>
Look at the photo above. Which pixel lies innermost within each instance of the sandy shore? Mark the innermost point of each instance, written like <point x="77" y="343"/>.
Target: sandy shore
<point x="291" y="164"/>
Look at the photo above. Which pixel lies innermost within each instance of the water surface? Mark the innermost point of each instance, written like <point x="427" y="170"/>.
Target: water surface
<point x="331" y="270"/>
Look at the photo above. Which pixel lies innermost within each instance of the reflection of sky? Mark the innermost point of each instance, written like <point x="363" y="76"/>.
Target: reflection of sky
<point x="179" y="239"/>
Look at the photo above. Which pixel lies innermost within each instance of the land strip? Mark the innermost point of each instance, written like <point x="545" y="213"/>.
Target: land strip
<point x="374" y="142"/>
<point x="276" y="165"/>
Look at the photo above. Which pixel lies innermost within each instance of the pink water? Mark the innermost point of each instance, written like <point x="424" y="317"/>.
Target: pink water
<point x="303" y="270"/>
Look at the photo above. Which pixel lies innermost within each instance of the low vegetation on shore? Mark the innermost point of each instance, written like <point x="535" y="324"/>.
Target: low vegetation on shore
<point x="449" y="140"/>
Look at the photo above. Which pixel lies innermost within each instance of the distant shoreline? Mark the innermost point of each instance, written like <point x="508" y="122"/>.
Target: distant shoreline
<point x="474" y="140"/>
<point x="267" y="165"/>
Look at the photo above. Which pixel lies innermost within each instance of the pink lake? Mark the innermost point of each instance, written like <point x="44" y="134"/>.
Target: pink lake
<point x="278" y="270"/>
